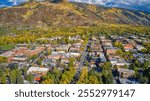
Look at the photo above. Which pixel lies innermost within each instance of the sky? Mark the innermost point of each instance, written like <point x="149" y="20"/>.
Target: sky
<point x="143" y="5"/>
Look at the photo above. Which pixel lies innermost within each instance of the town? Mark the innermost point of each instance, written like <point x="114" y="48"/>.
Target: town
<point x="112" y="59"/>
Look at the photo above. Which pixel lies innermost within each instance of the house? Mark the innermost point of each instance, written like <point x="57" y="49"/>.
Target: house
<point x="125" y="73"/>
<point x="96" y="47"/>
<point x="128" y="47"/>
<point x="132" y="37"/>
<point x="78" y="45"/>
<point x="139" y="47"/>
<point x="37" y="70"/>
<point x="46" y="61"/>
<point x="64" y="60"/>
<point x="74" y="37"/>
<point x="106" y="42"/>
<point x="32" y="52"/>
<point x="71" y="54"/>
<point x="54" y="57"/>
<point x="74" y="50"/>
<point x="128" y="81"/>
<point x="19" y="60"/>
<point x="111" y="50"/>
<point x="102" y="57"/>
<point x="102" y="37"/>
<point x="20" y="50"/>
<point x="62" y="47"/>
<point x="116" y="60"/>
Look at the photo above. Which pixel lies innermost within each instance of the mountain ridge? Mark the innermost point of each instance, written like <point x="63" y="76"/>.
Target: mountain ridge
<point x="69" y="14"/>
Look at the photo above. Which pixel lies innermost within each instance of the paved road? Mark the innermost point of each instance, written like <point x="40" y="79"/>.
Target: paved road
<point x="82" y="60"/>
<point x="84" y="54"/>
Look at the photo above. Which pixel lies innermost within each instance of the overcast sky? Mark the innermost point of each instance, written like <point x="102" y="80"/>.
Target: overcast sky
<point x="129" y="4"/>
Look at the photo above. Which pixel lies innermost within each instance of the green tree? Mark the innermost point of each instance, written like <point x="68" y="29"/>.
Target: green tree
<point x="71" y="62"/>
<point x="13" y="76"/>
<point x="19" y="77"/>
<point x="3" y="79"/>
<point x="25" y="72"/>
<point x="30" y="78"/>
<point x="107" y="73"/>
<point x="93" y="80"/>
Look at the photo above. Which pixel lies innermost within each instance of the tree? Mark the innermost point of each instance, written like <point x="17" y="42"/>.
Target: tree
<point x="1" y="72"/>
<point x="13" y="76"/>
<point x="144" y="50"/>
<point x="3" y="59"/>
<point x="39" y="62"/>
<point x="118" y="44"/>
<point x="107" y="73"/>
<point x="125" y="66"/>
<point x="19" y="77"/>
<point x="64" y="1"/>
<point x="71" y="62"/>
<point x="30" y="78"/>
<point x="144" y="80"/>
<point x="24" y="70"/>
<point x="146" y="65"/>
<point x="3" y="79"/>
<point x="93" y="80"/>
<point x="48" y="78"/>
<point x="32" y="0"/>
<point x="84" y="76"/>
<point x="64" y="79"/>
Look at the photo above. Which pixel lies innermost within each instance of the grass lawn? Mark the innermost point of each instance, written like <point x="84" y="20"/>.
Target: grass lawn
<point x="6" y="47"/>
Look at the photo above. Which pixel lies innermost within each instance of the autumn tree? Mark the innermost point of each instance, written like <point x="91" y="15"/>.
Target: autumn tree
<point x="3" y="79"/>
<point x="83" y="76"/>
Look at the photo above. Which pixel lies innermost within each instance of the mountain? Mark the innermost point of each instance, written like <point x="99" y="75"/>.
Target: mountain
<point x="142" y="5"/>
<point x="69" y="14"/>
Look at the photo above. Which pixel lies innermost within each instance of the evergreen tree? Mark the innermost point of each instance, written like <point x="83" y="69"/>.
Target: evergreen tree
<point x="30" y="78"/>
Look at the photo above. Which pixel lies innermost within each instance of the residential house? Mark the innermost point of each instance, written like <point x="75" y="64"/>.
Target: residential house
<point x="118" y="61"/>
<point x="128" y="47"/>
<point x="111" y="50"/>
<point x="139" y="47"/>
<point x="37" y="70"/>
<point x="126" y="73"/>
<point x="106" y="43"/>
<point x="32" y="52"/>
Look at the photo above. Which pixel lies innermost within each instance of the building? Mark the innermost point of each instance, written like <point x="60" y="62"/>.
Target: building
<point x="119" y="62"/>
<point x="32" y="52"/>
<point x="125" y="73"/>
<point x="102" y="57"/>
<point x="111" y="50"/>
<point x="19" y="60"/>
<point x="62" y="48"/>
<point x="128" y="81"/>
<point x="128" y="47"/>
<point x="37" y="70"/>
<point x="74" y="50"/>
<point x="139" y="47"/>
<point x="106" y="42"/>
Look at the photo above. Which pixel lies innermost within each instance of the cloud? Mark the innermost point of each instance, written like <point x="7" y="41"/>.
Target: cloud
<point x="2" y="5"/>
<point x="129" y="4"/>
